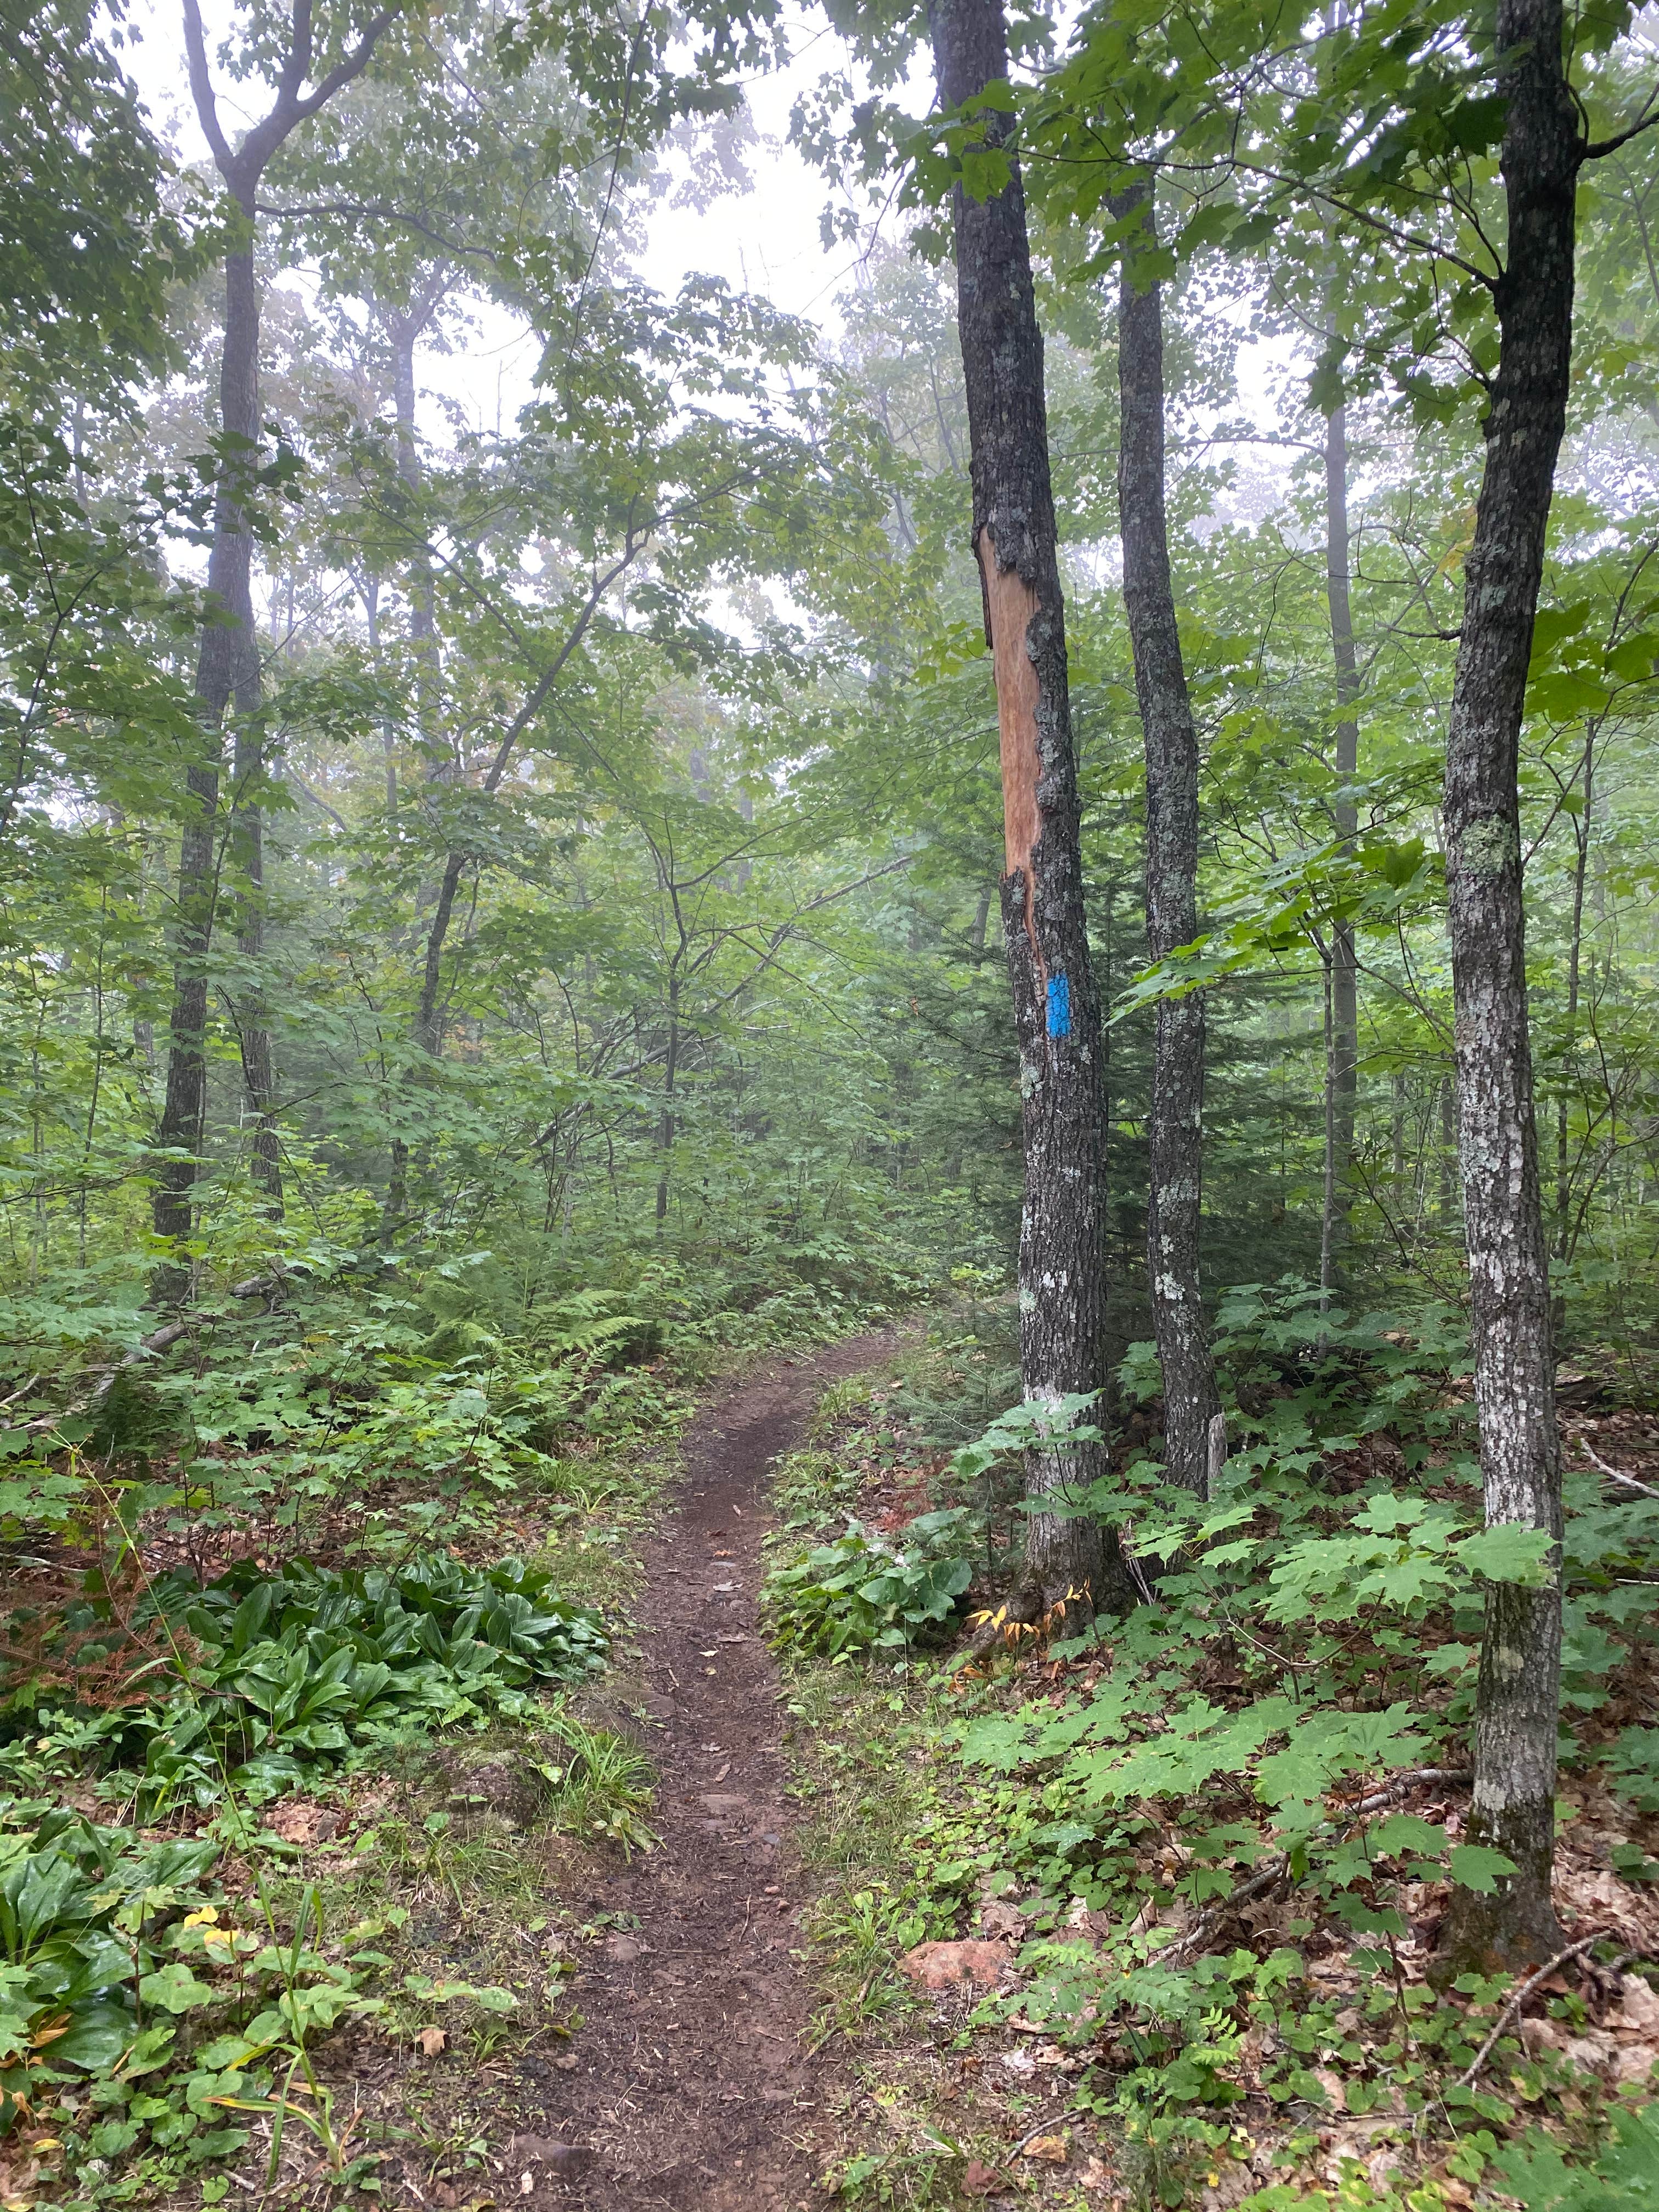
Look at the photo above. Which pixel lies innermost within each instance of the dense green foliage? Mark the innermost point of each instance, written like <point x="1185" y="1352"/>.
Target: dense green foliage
<point x="180" y="2021"/>
<point x="264" y="1674"/>
<point x="859" y="1593"/>
<point x="1217" y="1833"/>
<point x="624" y="931"/>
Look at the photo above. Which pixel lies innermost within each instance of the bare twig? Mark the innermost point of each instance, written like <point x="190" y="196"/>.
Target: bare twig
<point x="1573" y="1951"/>
<point x="159" y="1339"/>
<point x="1611" y="1472"/>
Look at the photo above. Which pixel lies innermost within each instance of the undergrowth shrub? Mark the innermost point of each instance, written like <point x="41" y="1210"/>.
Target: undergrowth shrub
<point x="602" y="1787"/>
<point x="146" y="2011"/>
<point x="1203" y="1814"/>
<point x="862" y="1593"/>
<point x="1623" y="2177"/>
<point x="267" y="1674"/>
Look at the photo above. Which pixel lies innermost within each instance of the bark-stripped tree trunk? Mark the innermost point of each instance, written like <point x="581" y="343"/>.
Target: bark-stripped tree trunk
<point x="1342" y="1057"/>
<point x="1191" y="1400"/>
<point x="1071" y="1563"/>
<point x="228" y="670"/>
<point x="1517" y="1701"/>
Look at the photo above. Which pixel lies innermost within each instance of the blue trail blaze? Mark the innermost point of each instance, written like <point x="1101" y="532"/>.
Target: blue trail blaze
<point x="1060" y="1006"/>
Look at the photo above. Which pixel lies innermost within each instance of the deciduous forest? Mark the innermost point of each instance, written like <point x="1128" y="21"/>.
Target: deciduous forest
<point x="829" y="1134"/>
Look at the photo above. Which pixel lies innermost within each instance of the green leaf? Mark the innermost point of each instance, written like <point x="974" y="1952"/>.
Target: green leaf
<point x="1475" y="1867"/>
<point x="95" y="2037"/>
<point x="174" y="1989"/>
<point x="1509" y="1552"/>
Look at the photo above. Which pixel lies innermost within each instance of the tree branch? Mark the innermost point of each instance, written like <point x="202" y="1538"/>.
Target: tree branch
<point x="1573" y="1951"/>
<point x="201" y="85"/>
<point x="549" y="677"/>
<point x="373" y="211"/>
<point x="1599" y="149"/>
<point x="1611" y="1472"/>
<point x="291" y="108"/>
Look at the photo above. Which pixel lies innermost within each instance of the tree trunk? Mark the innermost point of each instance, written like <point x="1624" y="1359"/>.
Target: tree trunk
<point x="247" y="852"/>
<point x="228" y="670"/>
<point x="1575" y="977"/>
<point x="1327" y="1208"/>
<point x="405" y="329"/>
<point x="258" y="1067"/>
<point x="429" y="1024"/>
<point x="1342" y="1059"/>
<point x="1518" y="1697"/>
<point x="982" y="921"/>
<point x="1191" y="1400"/>
<point x="369" y="588"/>
<point x="1073" y="1566"/>
<point x="429" y="1016"/>
<point x="666" y="1121"/>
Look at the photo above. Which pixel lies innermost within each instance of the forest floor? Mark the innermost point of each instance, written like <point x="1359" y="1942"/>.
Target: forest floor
<point x="738" y="1923"/>
<point x="693" y="2086"/>
<point x="742" y="2045"/>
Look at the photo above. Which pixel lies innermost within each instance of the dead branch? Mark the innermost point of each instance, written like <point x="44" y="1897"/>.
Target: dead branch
<point x="1573" y="1951"/>
<point x="1265" y="1877"/>
<point x="1611" y="1472"/>
<point x="158" y="1341"/>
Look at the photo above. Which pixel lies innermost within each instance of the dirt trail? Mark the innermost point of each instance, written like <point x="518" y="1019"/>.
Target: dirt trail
<point x="693" y="2089"/>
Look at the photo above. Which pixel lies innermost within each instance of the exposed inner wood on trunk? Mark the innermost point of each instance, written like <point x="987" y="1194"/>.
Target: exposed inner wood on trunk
<point x="1009" y="605"/>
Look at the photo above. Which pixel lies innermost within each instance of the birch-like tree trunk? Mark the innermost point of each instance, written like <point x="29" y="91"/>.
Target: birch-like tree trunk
<point x="1517" y="1701"/>
<point x="1073" y="1565"/>
<point x="1192" y="1403"/>
<point x="1342" y="1057"/>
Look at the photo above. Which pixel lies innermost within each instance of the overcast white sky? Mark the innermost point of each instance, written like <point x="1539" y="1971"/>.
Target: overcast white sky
<point x="766" y="240"/>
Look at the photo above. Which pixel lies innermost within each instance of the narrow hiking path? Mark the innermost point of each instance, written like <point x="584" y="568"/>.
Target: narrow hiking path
<point x="692" y="2085"/>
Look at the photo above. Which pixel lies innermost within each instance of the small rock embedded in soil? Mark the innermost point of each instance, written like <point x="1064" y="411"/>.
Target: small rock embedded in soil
<point x="567" y="2160"/>
<point x="944" y="1966"/>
